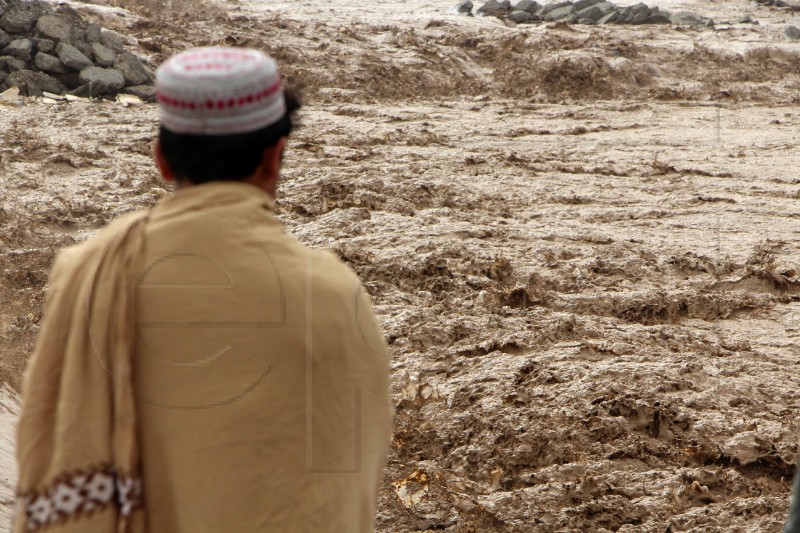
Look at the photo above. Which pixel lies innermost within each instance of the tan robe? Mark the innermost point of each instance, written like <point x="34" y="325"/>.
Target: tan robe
<point x="261" y="378"/>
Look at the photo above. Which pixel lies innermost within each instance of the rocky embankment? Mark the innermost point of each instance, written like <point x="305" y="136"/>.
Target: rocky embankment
<point x="53" y="49"/>
<point x="582" y="12"/>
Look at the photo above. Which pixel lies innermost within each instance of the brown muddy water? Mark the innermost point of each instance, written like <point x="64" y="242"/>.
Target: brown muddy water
<point x="582" y="243"/>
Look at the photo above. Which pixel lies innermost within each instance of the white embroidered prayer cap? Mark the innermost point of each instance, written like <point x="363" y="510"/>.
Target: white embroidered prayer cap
<point x="219" y="91"/>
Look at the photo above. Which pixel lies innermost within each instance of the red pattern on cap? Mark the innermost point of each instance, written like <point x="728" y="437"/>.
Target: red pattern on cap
<point x="220" y="104"/>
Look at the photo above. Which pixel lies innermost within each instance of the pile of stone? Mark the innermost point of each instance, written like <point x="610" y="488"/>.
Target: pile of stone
<point x="581" y="12"/>
<point x="778" y="3"/>
<point x="53" y="49"/>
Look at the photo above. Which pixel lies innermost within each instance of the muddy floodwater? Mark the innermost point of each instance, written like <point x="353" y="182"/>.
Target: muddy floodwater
<point x="583" y="243"/>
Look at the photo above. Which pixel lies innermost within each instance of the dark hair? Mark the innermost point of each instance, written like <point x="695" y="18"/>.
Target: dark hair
<point x="204" y="158"/>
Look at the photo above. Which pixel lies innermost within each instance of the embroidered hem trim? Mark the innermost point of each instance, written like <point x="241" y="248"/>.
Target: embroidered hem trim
<point x="80" y="494"/>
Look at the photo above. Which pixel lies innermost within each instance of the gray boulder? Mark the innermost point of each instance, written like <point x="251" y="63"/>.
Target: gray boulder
<point x="464" y="7"/>
<point x="145" y="92"/>
<point x="32" y="83"/>
<point x="70" y="79"/>
<point x="547" y="8"/>
<point x="132" y="69"/>
<point x="49" y="63"/>
<point x="93" y="34"/>
<point x="580" y="5"/>
<point x="625" y="15"/>
<point x="84" y="91"/>
<point x="521" y="17"/>
<point x="72" y="57"/>
<point x="44" y="45"/>
<point x="10" y="64"/>
<point x="114" y="40"/>
<point x="56" y="28"/>
<point x="792" y="33"/>
<point x="658" y="18"/>
<point x="640" y="13"/>
<point x="4" y="39"/>
<point x="608" y="19"/>
<point x="19" y="48"/>
<point x="527" y="5"/>
<point x="687" y="18"/>
<point x="104" y="56"/>
<point x="559" y="13"/>
<point x="492" y="7"/>
<point x="593" y="13"/>
<point x="606" y="7"/>
<point x="21" y="16"/>
<point x="103" y="80"/>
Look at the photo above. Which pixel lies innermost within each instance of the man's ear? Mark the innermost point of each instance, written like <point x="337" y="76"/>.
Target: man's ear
<point x="272" y="159"/>
<point x="162" y="163"/>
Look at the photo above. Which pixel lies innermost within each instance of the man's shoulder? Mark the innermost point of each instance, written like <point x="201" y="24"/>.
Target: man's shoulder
<point x="75" y="257"/>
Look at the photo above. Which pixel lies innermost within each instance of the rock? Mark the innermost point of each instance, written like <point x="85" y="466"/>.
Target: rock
<point x="658" y="18"/>
<point x="593" y="13"/>
<point x="559" y="13"/>
<point x="463" y="8"/>
<point x="687" y="18"/>
<point x="83" y="91"/>
<point x="608" y="19"/>
<point x="104" y="56"/>
<point x="640" y="13"/>
<point x="745" y="20"/>
<point x="68" y="12"/>
<point x="70" y="80"/>
<point x="19" y="48"/>
<point x="580" y="5"/>
<point x="625" y="15"/>
<point x="585" y="21"/>
<point x="55" y="28"/>
<point x="114" y="40"/>
<point x="133" y="70"/>
<point x="83" y="46"/>
<point x="32" y="83"/>
<point x="145" y="92"/>
<point x="792" y="33"/>
<point x="103" y="80"/>
<point x="21" y="16"/>
<point x="72" y="57"/>
<point x="606" y="7"/>
<point x="10" y="64"/>
<point x="527" y="5"/>
<point x="49" y="63"/>
<point x="44" y="45"/>
<point x="520" y="17"/>
<point x="547" y="8"/>
<point x="93" y="34"/>
<point x="4" y="39"/>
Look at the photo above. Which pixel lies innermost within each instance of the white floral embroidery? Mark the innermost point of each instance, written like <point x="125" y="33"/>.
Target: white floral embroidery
<point x="100" y="488"/>
<point x="67" y="499"/>
<point x="41" y="511"/>
<point x="81" y="494"/>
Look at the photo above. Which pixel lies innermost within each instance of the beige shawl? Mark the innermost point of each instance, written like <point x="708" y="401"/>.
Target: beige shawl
<point x="77" y="446"/>
<point x="301" y="450"/>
